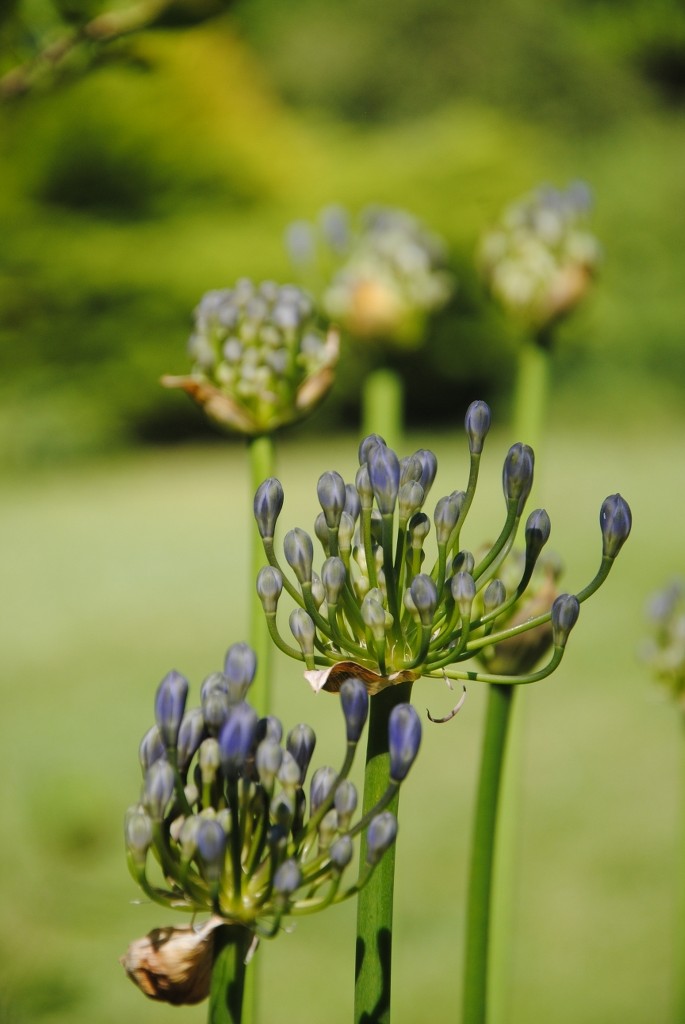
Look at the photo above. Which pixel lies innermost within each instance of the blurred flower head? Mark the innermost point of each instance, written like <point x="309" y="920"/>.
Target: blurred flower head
<point x="379" y="278"/>
<point x="664" y="649"/>
<point x="260" y="359"/>
<point x="539" y="259"/>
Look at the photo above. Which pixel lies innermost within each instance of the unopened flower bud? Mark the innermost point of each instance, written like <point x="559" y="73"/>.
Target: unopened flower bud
<point x="268" y="502"/>
<point x="373" y="614"/>
<point x="477" y="423"/>
<point x="288" y="878"/>
<point x="345" y="802"/>
<point x="237" y="738"/>
<point x="299" y="553"/>
<point x="345" y="533"/>
<point x="190" y="736"/>
<point x="303" y="629"/>
<point x="538" y="528"/>
<point x="215" y="708"/>
<point x="138" y="833"/>
<point x="352" y="502"/>
<point x="409" y="499"/>
<point x="268" y="758"/>
<point x="209" y="760"/>
<point x="323" y="781"/>
<point x="362" y="483"/>
<point x="517" y="475"/>
<point x="170" y="703"/>
<point x="494" y="595"/>
<point x="463" y="562"/>
<point x="424" y="594"/>
<point x="151" y="748"/>
<point x="355" y="705"/>
<point x="321" y="531"/>
<point x="239" y="669"/>
<point x="300" y="743"/>
<point x="404" y="739"/>
<point x="282" y="811"/>
<point x="333" y="576"/>
<point x="270" y="728"/>
<point x="211" y="847"/>
<point x="289" y="773"/>
<point x="341" y="852"/>
<point x="429" y="467"/>
<point x="384" y="474"/>
<point x="463" y="589"/>
<point x="269" y="588"/>
<point x="158" y="789"/>
<point x="410" y="469"/>
<point x="367" y="444"/>
<point x="380" y="836"/>
<point x="564" y="617"/>
<point x="331" y="493"/>
<point x="445" y="518"/>
<point x="419" y="528"/>
<point x="615" y="520"/>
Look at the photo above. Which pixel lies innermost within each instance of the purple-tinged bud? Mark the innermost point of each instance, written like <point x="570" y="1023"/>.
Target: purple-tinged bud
<point x="463" y="561"/>
<point x="517" y="475"/>
<point x="333" y="576"/>
<point x="268" y="502"/>
<point x="239" y="669"/>
<point x="429" y="467"/>
<point x="410" y="469"/>
<point x="477" y="423"/>
<point x="328" y="826"/>
<point x="215" y="708"/>
<point x="303" y="629"/>
<point x="445" y="518"/>
<point x="290" y="773"/>
<point x="323" y="781"/>
<point x="158" y="789"/>
<point x="615" y="520"/>
<point x="268" y="760"/>
<point x="211" y="847"/>
<point x="270" y="728"/>
<point x="299" y="553"/>
<point x="137" y="833"/>
<point x="214" y="681"/>
<point x="419" y="528"/>
<point x="494" y="595"/>
<point x="151" y="748"/>
<point x="353" y="505"/>
<point x="538" y="528"/>
<point x="288" y="878"/>
<point x="331" y="493"/>
<point x="170" y="703"/>
<point x="404" y="739"/>
<point x="424" y="594"/>
<point x="380" y="836"/>
<point x="463" y="589"/>
<point x="321" y="532"/>
<point x="269" y="588"/>
<point x="340" y="852"/>
<point x="282" y="811"/>
<point x="345" y="803"/>
<point x="187" y="837"/>
<point x="367" y="444"/>
<point x="384" y="474"/>
<point x="300" y="743"/>
<point x="362" y="484"/>
<point x="410" y="498"/>
<point x="209" y="760"/>
<point x="355" y="705"/>
<point x="237" y="738"/>
<point x="190" y="736"/>
<point x="565" y="612"/>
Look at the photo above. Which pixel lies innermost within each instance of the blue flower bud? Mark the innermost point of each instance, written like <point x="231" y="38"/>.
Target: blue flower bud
<point x="494" y="595"/>
<point x="477" y="423"/>
<point x="270" y="728"/>
<point x="170" y="703"/>
<point x="410" y="498"/>
<point x="288" y="878"/>
<point x="445" y="518"/>
<point x="538" y="528"/>
<point x="299" y="553"/>
<point x="419" y="528"/>
<point x="615" y="520"/>
<point x="190" y="736"/>
<point x="300" y="743"/>
<point x="384" y="474"/>
<point x="268" y="502"/>
<point x="333" y="576"/>
<point x="362" y="484"/>
<point x="424" y="594"/>
<point x="341" y="852"/>
<point x="151" y="748"/>
<point x="282" y="812"/>
<point x="352" y="503"/>
<point x="268" y="759"/>
<point x="137" y="833"/>
<point x="355" y="705"/>
<point x="380" y="836"/>
<point x="463" y="561"/>
<point x="237" y="738"/>
<point x="367" y="444"/>
<point x="321" y="532"/>
<point x="463" y="589"/>
<point x="404" y="739"/>
<point x="328" y="826"/>
<point x="269" y="588"/>
<point x="211" y="847"/>
<point x="332" y="495"/>
<point x="239" y="668"/>
<point x="411" y="468"/>
<point x="323" y="781"/>
<point x="564" y="617"/>
<point x="345" y="803"/>
<point x="158" y="789"/>
<point x="517" y="475"/>
<point x="429" y="467"/>
<point x="290" y="773"/>
<point x="303" y="629"/>
<point x="215" y="708"/>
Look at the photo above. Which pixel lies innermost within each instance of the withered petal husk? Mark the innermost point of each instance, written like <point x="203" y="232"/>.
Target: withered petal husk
<point x="331" y="679"/>
<point x="173" y="965"/>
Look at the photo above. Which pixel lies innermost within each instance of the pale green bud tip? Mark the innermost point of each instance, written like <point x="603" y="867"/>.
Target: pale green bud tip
<point x="380" y="836"/>
<point x="615" y="520"/>
<point x="477" y="423"/>
<point x="137" y="832"/>
<point x="268" y="502"/>
<point x="269" y="588"/>
<point x="565" y="612"/>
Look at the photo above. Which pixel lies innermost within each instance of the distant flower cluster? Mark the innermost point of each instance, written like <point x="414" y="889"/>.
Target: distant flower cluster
<point x="664" y="651"/>
<point x="379" y="278"/>
<point x="260" y="359"/>
<point x="539" y="259"/>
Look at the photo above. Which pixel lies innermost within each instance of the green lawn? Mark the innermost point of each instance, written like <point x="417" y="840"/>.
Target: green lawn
<point x="115" y="572"/>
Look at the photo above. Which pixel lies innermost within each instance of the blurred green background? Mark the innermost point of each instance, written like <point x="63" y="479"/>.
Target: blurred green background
<point x="174" y="165"/>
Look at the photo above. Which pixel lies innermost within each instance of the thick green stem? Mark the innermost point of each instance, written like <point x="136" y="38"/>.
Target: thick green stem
<point x="261" y="467"/>
<point x="375" y="901"/>
<point x="680" y="923"/>
<point x="226" y="996"/>
<point x="532" y="387"/>
<point x="479" y="900"/>
<point x="382" y="401"/>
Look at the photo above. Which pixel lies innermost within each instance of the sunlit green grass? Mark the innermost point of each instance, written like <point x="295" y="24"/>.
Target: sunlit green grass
<point x="113" y="573"/>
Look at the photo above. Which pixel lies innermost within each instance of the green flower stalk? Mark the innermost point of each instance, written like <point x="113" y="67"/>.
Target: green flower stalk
<point x="223" y="827"/>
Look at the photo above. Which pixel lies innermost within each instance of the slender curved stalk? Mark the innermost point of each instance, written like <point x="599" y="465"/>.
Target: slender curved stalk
<point x="226" y="997"/>
<point x="478" y="910"/>
<point x="261" y="451"/>
<point x="375" y="901"/>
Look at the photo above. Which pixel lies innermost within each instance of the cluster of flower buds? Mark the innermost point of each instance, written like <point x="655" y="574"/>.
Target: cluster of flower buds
<point x="664" y="651"/>
<point x="260" y="359"/>
<point x="374" y="610"/>
<point x="223" y="824"/>
<point x="380" y="278"/>
<point x="539" y="259"/>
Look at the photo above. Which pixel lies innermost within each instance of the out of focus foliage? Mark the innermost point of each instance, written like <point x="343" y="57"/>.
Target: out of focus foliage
<point x="174" y="164"/>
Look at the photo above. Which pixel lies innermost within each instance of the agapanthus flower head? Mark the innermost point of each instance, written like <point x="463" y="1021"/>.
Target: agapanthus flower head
<point x="380" y="276"/>
<point x="389" y="610"/>
<point x="664" y="649"/>
<point x="260" y="356"/>
<point x="229" y="830"/>
<point x="539" y="259"/>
